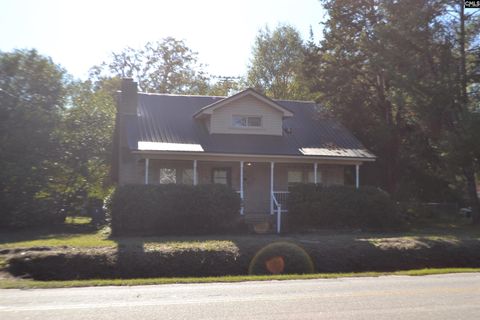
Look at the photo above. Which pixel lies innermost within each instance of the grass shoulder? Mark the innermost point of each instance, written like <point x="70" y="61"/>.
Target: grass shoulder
<point x="33" y="284"/>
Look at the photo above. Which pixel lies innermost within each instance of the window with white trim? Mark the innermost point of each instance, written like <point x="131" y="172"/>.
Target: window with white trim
<point x="222" y="176"/>
<point x="311" y="175"/>
<point x="294" y="176"/>
<point x="168" y="175"/>
<point x="246" y="121"/>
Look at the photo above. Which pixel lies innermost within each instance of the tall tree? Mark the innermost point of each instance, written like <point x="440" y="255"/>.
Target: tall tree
<point x="225" y="86"/>
<point x="31" y="100"/>
<point x="85" y="136"/>
<point x="465" y="126"/>
<point x="387" y="71"/>
<point x="165" y="66"/>
<point x="275" y="65"/>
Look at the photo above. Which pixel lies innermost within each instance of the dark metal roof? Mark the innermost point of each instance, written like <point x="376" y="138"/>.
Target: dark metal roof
<point x="249" y="90"/>
<point x="168" y="119"/>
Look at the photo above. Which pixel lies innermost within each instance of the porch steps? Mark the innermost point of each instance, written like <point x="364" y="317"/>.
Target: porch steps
<point x="260" y="222"/>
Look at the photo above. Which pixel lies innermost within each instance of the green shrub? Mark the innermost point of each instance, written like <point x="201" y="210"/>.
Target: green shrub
<point x="281" y="258"/>
<point x="19" y="211"/>
<point x="126" y="263"/>
<point x="173" y="209"/>
<point x="312" y="205"/>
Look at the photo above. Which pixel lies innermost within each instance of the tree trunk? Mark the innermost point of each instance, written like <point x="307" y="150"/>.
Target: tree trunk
<point x="472" y="193"/>
<point x="468" y="169"/>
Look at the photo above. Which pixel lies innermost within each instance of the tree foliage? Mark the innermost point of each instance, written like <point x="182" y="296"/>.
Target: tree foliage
<point x="165" y="66"/>
<point x="85" y="136"/>
<point x="396" y="73"/>
<point x="31" y="102"/>
<point x="276" y="62"/>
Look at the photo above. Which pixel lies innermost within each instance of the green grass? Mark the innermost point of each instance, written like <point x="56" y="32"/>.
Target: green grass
<point x="26" y="240"/>
<point x="78" y="220"/>
<point x="31" y="284"/>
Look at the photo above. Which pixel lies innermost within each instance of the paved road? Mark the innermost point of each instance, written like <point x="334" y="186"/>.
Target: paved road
<point x="393" y="297"/>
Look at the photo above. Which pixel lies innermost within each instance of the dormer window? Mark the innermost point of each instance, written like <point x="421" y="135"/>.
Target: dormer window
<point x="247" y="121"/>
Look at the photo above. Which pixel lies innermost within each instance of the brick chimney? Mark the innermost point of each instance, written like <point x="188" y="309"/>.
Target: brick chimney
<point x="128" y="99"/>
<point x="124" y="162"/>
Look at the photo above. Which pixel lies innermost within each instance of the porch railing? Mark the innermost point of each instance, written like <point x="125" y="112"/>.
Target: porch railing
<point x="241" y="202"/>
<point x="277" y="207"/>
<point x="282" y="197"/>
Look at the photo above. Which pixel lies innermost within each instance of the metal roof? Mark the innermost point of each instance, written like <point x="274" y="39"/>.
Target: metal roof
<point x="166" y="123"/>
<point x="241" y="94"/>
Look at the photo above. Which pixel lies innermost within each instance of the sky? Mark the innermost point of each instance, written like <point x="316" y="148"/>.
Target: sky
<point x="81" y="34"/>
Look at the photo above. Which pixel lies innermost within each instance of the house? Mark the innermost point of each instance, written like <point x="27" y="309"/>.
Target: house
<point x="256" y="145"/>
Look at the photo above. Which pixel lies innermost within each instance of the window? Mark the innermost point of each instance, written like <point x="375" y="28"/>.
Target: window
<point x="294" y="176"/>
<point x="311" y="177"/>
<point x="221" y="176"/>
<point x="247" y="121"/>
<point x="187" y="176"/>
<point x="168" y="175"/>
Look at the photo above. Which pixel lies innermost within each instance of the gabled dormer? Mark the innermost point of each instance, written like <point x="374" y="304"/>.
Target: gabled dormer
<point x="247" y="112"/>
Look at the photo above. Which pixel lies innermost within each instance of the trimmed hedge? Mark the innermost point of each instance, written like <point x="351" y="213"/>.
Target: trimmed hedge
<point x="318" y="206"/>
<point x="281" y="258"/>
<point x="126" y="263"/>
<point x="173" y="209"/>
<point x="333" y="254"/>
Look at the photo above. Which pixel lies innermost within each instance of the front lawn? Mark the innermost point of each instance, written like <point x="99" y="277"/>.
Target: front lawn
<point x="57" y="237"/>
<point x="84" y="252"/>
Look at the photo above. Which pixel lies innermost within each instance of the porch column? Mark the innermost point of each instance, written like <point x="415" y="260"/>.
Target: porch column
<point x="195" y="180"/>
<point x="315" y="168"/>
<point x="272" y="166"/>
<point x="241" y="186"/>
<point x="357" y="176"/>
<point x="147" y="162"/>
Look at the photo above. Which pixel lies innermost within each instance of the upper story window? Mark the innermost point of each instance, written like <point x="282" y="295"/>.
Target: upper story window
<point x="247" y="121"/>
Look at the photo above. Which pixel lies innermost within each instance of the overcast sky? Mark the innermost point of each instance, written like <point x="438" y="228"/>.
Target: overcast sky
<point x="80" y="34"/>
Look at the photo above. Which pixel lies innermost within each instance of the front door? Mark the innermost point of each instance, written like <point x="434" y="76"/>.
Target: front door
<point x="256" y="187"/>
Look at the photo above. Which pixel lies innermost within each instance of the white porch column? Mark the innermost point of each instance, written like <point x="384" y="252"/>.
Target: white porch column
<point x="195" y="179"/>
<point x="241" y="185"/>
<point x="315" y="168"/>
<point x="147" y="163"/>
<point x="272" y="165"/>
<point x="357" y="176"/>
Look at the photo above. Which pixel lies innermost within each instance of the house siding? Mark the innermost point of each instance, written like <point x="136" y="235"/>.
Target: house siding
<point x="131" y="171"/>
<point x="329" y="174"/>
<point x="334" y="175"/>
<point x="134" y="172"/>
<point x="221" y="118"/>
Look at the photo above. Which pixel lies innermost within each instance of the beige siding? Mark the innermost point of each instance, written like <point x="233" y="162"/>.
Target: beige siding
<point x="131" y="169"/>
<point x="328" y="174"/>
<point x="133" y="172"/>
<point x="333" y="175"/>
<point x="221" y="119"/>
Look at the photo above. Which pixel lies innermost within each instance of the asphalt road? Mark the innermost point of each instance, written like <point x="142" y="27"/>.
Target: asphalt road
<point x="455" y="296"/>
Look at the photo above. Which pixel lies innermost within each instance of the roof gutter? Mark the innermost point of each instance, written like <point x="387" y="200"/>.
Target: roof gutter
<point x="244" y="155"/>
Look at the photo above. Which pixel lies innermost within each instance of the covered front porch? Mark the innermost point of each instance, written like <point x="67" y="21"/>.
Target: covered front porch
<point x="262" y="184"/>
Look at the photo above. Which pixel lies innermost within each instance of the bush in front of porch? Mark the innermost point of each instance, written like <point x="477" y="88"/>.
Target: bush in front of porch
<point x="316" y="206"/>
<point x="173" y="209"/>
